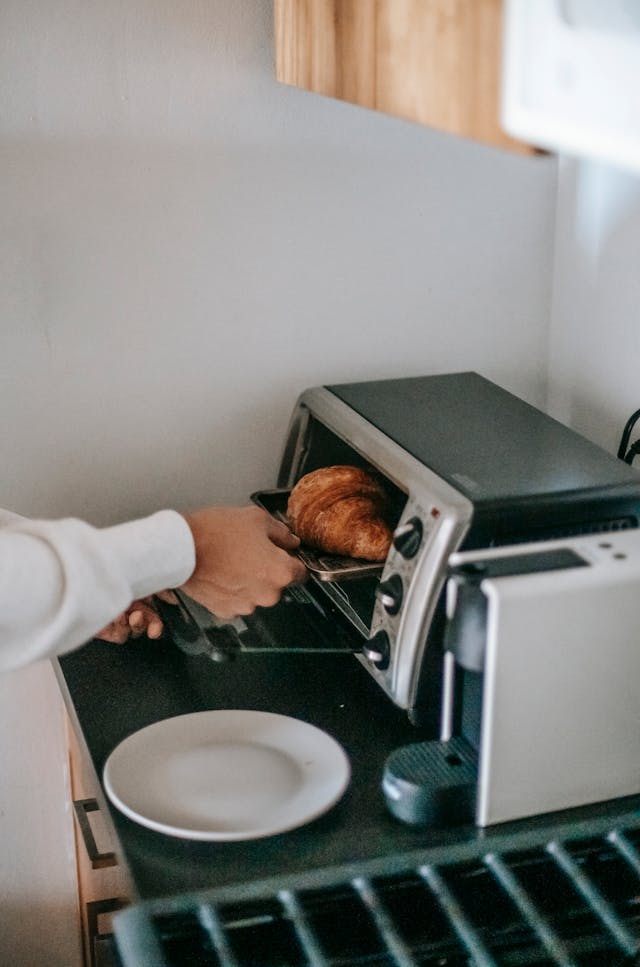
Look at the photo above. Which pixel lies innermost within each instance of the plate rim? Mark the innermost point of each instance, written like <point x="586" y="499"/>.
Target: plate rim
<point x="181" y="832"/>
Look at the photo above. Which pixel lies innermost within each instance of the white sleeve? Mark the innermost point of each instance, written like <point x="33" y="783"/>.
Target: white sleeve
<point x="62" y="581"/>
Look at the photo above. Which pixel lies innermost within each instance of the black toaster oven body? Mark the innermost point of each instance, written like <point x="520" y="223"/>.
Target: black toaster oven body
<point x="526" y="474"/>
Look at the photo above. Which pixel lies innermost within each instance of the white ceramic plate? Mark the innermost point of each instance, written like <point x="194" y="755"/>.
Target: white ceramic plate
<point x="226" y="775"/>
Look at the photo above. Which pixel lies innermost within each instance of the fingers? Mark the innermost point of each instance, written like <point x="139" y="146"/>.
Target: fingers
<point x="139" y="623"/>
<point x="167" y="596"/>
<point x="244" y="560"/>
<point x="140" y="618"/>
<point x="295" y="573"/>
<point x="281" y="536"/>
<point x="261" y="591"/>
<point x="116" y="632"/>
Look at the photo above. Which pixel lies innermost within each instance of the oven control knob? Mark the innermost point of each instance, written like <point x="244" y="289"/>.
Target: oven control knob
<point x="377" y="650"/>
<point x="408" y="538"/>
<point x="390" y="593"/>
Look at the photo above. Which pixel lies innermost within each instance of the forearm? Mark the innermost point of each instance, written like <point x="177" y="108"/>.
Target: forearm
<point x="62" y="581"/>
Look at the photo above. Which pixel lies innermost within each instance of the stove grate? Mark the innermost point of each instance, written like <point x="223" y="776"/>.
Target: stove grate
<point x="572" y="902"/>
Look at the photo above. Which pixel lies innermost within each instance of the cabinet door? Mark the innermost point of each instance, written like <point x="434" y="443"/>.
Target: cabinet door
<point x="102" y="883"/>
<point x="436" y="62"/>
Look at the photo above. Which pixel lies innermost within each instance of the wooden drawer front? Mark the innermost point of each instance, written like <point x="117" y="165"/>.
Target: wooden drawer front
<point x="102" y="883"/>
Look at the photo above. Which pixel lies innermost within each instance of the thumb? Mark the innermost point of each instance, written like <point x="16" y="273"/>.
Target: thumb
<point x="282" y="537"/>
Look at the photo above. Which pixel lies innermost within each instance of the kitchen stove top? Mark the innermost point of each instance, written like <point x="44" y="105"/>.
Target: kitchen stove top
<point x="566" y="895"/>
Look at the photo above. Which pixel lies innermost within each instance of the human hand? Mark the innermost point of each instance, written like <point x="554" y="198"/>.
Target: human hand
<point x="140" y="617"/>
<point x="244" y="560"/>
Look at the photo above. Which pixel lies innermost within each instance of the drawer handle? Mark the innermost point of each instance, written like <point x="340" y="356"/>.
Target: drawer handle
<point x="82" y="807"/>
<point x="94" y="909"/>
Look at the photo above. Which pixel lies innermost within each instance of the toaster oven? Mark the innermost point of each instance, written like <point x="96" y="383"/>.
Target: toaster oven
<point x="467" y="465"/>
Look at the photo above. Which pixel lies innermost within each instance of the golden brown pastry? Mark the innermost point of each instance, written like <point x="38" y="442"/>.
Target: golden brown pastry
<point x="341" y="510"/>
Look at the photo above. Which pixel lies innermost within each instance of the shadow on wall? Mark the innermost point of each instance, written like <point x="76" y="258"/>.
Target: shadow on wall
<point x="595" y="336"/>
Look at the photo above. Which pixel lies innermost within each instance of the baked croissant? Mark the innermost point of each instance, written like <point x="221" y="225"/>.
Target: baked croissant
<point x="341" y="510"/>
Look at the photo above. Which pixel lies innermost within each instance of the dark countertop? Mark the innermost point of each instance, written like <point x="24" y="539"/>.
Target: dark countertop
<point x="112" y="691"/>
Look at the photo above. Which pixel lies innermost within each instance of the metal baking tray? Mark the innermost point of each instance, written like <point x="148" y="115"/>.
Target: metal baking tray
<point x="324" y="567"/>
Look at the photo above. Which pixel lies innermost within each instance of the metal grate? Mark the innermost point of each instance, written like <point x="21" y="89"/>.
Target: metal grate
<point x="573" y="902"/>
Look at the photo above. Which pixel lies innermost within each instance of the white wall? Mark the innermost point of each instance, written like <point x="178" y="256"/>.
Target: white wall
<point x="185" y="245"/>
<point x="595" y="334"/>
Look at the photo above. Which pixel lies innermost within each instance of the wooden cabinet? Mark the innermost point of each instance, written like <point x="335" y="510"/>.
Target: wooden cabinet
<point x="436" y="62"/>
<point x="102" y="884"/>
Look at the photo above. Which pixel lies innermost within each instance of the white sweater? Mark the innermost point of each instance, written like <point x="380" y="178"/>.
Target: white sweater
<point x="62" y="581"/>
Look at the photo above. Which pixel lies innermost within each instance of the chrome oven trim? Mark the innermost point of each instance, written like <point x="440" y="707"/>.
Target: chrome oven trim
<point x="426" y="492"/>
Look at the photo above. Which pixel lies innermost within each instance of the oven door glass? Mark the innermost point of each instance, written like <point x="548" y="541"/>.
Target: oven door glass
<point x="302" y="621"/>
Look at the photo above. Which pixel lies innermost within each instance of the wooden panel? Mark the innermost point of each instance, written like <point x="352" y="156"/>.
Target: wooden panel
<point x="104" y="889"/>
<point x="436" y="62"/>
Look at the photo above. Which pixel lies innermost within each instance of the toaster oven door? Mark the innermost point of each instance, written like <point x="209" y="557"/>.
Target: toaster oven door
<point x="298" y="623"/>
<point x="397" y="608"/>
<point x="350" y="584"/>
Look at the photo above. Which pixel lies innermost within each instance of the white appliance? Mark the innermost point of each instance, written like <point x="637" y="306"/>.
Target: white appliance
<point x="558" y="644"/>
<point x="571" y="77"/>
<point x="541" y="709"/>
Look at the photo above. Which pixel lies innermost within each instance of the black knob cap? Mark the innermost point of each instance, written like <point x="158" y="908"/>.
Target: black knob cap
<point x="377" y="650"/>
<point x="390" y="593"/>
<point x="408" y="538"/>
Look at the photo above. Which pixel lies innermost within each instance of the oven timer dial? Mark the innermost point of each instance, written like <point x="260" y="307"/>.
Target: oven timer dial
<point x="390" y="593"/>
<point x="408" y="537"/>
<point x="378" y="650"/>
